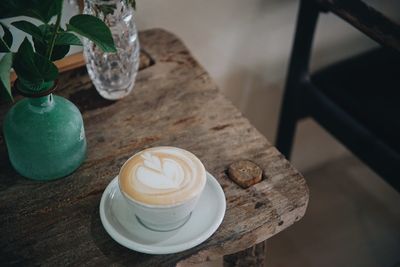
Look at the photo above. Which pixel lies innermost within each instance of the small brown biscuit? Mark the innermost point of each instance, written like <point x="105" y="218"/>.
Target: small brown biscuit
<point x="245" y="173"/>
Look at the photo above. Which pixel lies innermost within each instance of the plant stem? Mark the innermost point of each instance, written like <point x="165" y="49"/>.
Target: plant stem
<point x="53" y="38"/>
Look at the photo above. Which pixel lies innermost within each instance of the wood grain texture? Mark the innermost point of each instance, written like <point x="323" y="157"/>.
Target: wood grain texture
<point x="367" y="19"/>
<point x="174" y="103"/>
<point x="253" y="256"/>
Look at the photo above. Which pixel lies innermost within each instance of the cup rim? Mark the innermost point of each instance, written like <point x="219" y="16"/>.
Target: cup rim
<point x="155" y="205"/>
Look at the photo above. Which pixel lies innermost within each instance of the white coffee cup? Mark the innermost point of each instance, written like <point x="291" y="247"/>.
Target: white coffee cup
<point x="162" y="185"/>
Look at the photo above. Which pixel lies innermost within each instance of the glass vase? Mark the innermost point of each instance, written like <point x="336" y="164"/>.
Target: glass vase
<point x="113" y="74"/>
<point x="45" y="137"/>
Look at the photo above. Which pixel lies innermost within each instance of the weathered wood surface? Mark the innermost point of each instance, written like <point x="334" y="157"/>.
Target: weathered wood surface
<point x="253" y="256"/>
<point x="174" y="103"/>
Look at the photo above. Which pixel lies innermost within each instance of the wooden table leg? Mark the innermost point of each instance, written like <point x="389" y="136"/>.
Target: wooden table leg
<point x="253" y="256"/>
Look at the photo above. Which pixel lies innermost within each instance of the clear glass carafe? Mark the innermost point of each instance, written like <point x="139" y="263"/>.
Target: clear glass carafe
<point x="113" y="74"/>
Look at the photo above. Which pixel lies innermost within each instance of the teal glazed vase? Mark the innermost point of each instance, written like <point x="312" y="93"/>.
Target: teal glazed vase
<point x="45" y="137"/>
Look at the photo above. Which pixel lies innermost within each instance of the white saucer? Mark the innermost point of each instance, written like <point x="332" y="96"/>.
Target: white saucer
<point x="121" y="223"/>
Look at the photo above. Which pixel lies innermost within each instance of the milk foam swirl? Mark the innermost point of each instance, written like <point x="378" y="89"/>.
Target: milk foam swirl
<point x="162" y="176"/>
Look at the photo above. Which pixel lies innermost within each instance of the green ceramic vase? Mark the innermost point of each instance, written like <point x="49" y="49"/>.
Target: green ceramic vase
<point x="45" y="137"/>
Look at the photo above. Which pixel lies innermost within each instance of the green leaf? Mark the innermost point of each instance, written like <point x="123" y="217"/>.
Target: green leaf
<point x="66" y="38"/>
<point x="59" y="52"/>
<point x="11" y="8"/>
<point x="5" y="67"/>
<point x="46" y="68"/>
<point x="5" y="40"/>
<point x="3" y="46"/>
<point x="40" y="47"/>
<point x="29" y="28"/>
<point x="24" y="64"/>
<point x="33" y="67"/>
<point x="47" y="31"/>
<point x="42" y="10"/>
<point x="94" y="29"/>
<point x="7" y="37"/>
<point x="56" y="6"/>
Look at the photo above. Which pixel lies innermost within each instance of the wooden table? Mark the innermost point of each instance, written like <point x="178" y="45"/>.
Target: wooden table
<point x="174" y="103"/>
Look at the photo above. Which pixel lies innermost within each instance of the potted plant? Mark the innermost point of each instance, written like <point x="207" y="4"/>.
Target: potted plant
<point x="44" y="133"/>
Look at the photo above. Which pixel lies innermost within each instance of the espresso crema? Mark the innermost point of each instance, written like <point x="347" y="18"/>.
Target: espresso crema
<point x="162" y="176"/>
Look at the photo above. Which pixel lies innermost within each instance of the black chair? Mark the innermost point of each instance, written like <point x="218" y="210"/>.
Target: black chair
<point x="356" y="100"/>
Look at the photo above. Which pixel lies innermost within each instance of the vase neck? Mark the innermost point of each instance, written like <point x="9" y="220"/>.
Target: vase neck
<point x="43" y="101"/>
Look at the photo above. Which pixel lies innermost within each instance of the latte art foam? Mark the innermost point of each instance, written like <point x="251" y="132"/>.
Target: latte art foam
<point x="162" y="176"/>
